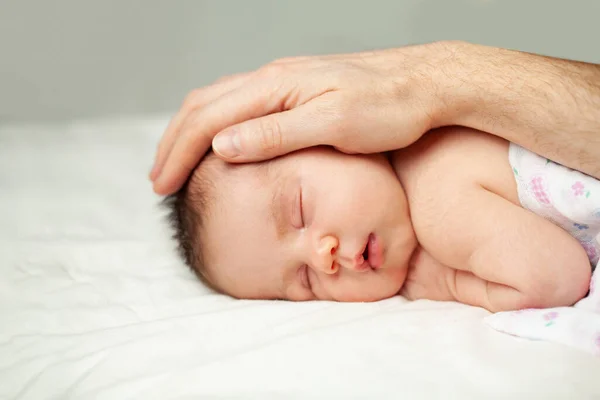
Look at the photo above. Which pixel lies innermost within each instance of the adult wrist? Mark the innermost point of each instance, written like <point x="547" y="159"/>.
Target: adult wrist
<point x="454" y="100"/>
<point x="548" y="105"/>
<point x="496" y="90"/>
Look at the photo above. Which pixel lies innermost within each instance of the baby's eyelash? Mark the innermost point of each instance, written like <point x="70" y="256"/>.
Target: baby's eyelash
<point x="297" y="211"/>
<point x="300" y="208"/>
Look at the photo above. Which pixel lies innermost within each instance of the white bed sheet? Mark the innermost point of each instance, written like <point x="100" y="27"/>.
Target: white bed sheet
<point x="95" y="304"/>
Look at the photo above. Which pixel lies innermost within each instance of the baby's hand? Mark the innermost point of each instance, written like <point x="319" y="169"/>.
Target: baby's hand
<point x="428" y="279"/>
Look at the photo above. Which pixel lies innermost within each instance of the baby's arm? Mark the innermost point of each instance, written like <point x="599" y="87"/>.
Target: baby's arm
<point x="505" y="257"/>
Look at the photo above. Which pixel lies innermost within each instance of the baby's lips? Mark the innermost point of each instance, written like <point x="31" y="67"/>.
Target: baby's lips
<point x="375" y="251"/>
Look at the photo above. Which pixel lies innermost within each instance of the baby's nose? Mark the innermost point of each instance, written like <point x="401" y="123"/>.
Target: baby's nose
<point x="325" y="255"/>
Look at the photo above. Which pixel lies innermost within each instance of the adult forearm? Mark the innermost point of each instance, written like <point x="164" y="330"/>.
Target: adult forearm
<point x="550" y="106"/>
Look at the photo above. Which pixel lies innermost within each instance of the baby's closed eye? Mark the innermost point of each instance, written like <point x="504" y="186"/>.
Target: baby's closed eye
<point x="297" y="212"/>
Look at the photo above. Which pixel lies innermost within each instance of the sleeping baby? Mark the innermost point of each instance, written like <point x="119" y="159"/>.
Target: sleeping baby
<point x="458" y="216"/>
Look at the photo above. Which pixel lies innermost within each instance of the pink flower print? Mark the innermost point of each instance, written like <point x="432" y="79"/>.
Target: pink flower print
<point x="598" y="341"/>
<point x="537" y="186"/>
<point x="550" y="317"/>
<point x="578" y="188"/>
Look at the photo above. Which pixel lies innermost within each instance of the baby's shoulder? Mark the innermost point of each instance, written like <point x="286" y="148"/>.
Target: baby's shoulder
<point x="444" y="175"/>
<point x="450" y="161"/>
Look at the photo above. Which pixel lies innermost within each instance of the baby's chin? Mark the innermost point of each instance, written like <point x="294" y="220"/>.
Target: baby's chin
<point x="392" y="287"/>
<point x="397" y="278"/>
<point x="399" y="283"/>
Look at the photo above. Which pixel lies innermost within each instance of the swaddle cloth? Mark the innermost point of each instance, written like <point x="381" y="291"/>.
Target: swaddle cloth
<point x="571" y="200"/>
<point x="567" y="197"/>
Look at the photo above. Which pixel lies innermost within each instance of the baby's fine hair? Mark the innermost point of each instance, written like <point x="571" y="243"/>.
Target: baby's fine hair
<point x="186" y="210"/>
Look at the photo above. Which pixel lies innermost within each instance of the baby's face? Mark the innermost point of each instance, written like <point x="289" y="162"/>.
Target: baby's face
<point x="316" y="224"/>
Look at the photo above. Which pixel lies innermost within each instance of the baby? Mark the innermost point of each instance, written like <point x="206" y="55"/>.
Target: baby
<point x="458" y="216"/>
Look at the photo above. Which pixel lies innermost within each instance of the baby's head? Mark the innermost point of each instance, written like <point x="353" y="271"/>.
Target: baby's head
<point x="314" y="224"/>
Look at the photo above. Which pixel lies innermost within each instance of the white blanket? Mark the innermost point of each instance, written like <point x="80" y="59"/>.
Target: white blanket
<point x="577" y="326"/>
<point x="94" y="304"/>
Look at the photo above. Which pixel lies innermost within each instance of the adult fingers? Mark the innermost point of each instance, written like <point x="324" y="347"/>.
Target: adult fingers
<point x="196" y="99"/>
<point x="266" y="137"/>
<point x="270" y="92"/>
<point x="196" y="132"/>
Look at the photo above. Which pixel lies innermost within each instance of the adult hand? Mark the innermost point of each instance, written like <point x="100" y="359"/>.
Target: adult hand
<point x="385" y="100"/>
<point x="365" y="102"/>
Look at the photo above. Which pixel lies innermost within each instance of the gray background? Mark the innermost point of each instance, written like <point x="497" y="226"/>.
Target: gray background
<point x="77" y="59"/>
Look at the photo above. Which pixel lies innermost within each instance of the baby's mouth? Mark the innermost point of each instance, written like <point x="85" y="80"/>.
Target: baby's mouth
<point x="371" y="256"/>
<point x="374" y="251"/>
<point x="362" y="259"/>
<point x="365" y="253"/>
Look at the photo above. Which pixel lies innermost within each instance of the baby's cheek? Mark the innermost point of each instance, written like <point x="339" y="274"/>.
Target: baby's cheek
<point x="397" y="278"/>
<point x="382" y="285"/>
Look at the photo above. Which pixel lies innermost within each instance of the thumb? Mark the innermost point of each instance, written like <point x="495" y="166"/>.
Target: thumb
<point x="272" y="135"/>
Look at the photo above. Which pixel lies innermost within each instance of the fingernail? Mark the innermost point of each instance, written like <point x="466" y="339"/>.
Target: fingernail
<point x="227" y="144"/>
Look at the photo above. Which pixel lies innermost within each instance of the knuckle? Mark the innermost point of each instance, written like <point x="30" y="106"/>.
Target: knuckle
<point x="191" y="98"/>
<point x="230" y="77"/>
<point x="278" y="82"/>
<point x="224" y="78"/>
<point x="273" y="69"/>
<point x="270" y="134"/>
